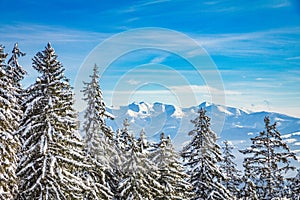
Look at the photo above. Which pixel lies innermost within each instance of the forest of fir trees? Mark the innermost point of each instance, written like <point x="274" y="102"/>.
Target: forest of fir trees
<point x="43" y="156"/>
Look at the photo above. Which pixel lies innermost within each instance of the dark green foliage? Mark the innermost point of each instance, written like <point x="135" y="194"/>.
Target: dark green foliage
<point x="139" y="174"/>
<point x="229" y="170"/>
<point x="295" y="186"/>
<point x="98" y="140"/>
<point x="9" y="144"/>
<point x="171" y="173"/>
<point x="52" y="151"/>
<point x="269" y="162"/>
<point x="201" y="156"/>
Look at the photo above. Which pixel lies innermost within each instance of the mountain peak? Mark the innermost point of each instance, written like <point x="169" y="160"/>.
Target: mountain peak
<point x="205" y="104"/>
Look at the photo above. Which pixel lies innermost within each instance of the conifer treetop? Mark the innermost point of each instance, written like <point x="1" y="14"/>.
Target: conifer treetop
<point x="268" y="161"/>
<point x="9" y="143"/>
<point x="52" y="153"/>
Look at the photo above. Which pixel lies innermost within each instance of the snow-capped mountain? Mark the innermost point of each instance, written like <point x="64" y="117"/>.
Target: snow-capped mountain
<point x="229" y="123"/>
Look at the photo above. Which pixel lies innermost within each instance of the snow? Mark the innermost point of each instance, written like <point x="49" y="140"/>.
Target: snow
<point x="277" y="119"/>
<point x="238" y="112"/>
<point x="131" y="113"/>
<point x="145" y="108"/>
<point x="238" y="126"/>
<point x="205" y="104"/>
<point x="73" y="162"/>
<point x="44" y="167"/>
<point x="224" y="110"/>
<point x="52" y="163"/>
<point x="177" y="113"/>
<point x="109" y="115"/>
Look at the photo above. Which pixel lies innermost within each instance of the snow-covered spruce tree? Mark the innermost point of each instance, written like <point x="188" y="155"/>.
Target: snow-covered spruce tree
<point x="171" y="173"/>
<point x="123" y="136"/>
<point x="229" y="170"/>
<point x="52" y="153"/>
<point x="95" y="178"/>
<point x="142" y="141"/>
<point x="248" y="188"/>
<point x="295" y="186"/>
<point x="9" y="144"/>
<point x="17" y="72"/>
<point x="98" y="137"/>
<point x="95" y="113"/>
<point x="201" y="156"/>
<point x="268" y="162"/>
<point x="122" y="143"/>
<point x="140" y="175"/>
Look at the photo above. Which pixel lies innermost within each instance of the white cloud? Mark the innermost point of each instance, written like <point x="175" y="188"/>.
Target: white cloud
<point x="280" y="4"/>
<point x="293" y="58"/>
<point x="248" y="44"/>
<point x="179" y="90"/>
<point x="183" y="96"/>
<point x="203" y="89"/>
<point x="234" y="44"/>
<point x="141" y="5"/>
<point x="158" y="59"/>
<point x="33" y="33"/>
<point x="291" y="140"/>
<point x="133" y="82"/>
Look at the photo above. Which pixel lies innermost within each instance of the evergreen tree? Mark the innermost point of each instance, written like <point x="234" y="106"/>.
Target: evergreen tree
<point x="98" y="137"/>
<point x="139" y="175"/>
<point x="229" y="170"/>
<point x="202" y="155"/>
<point x="295" y="187"/>
<point x="95" y="178"/>
<point x="123" y="136"/>
<point x="52" y="154"/>
<point x="269" y="161"/>
<point x="122" y="139"/>
<point x="9" y="144"/>
<point x="142" y="142"/>
<point x="95" y="113"/>
<point x="171" y="173"/>
<point x="17" y="71"/>
<point x="248" y="188"/>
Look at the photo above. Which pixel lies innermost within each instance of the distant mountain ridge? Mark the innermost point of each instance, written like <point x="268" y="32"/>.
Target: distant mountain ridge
<point x="229" y="123"/>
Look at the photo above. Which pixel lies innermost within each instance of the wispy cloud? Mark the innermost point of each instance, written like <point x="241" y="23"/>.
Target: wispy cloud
<point x="234" y="44"/>
<point x="180" y="90"/>
<point x="293" y="58"/>
<point x="141" y="5"/>
<point x="133" y="82"/>
<point x="158" y="59"/>
<point x="279" y="4"/>
<point x="33" y="33"/>
<point x="203" y="89"/>
<point x="71" y="45"/>
<point x="251" y="43"/>
<point x="242" y="6"/>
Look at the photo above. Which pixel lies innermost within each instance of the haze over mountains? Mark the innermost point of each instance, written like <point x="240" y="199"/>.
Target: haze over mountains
<point x="229" y="123"/>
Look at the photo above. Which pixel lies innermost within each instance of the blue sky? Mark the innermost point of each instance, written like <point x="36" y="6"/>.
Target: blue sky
<point x="254" y="46"/>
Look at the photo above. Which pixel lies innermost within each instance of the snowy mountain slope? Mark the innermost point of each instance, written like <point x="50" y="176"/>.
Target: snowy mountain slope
<point x="229" y="123"/>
